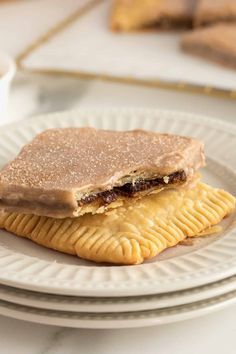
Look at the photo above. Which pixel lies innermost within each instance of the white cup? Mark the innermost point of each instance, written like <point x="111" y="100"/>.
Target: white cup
<point x="7" y="71"/>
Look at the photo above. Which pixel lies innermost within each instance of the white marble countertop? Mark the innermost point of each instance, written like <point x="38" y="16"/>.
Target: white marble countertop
<point x="32" y="95"/>
<point x="213" y="333"/>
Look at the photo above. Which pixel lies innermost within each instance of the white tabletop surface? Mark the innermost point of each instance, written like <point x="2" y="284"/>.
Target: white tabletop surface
<point x="214" y="333"/>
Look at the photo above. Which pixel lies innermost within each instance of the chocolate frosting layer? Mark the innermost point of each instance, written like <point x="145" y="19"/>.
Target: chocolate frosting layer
<point x="66" y="165"/>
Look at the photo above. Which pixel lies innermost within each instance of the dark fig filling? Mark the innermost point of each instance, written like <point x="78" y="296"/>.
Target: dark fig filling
<point x="173" y="23"/>
<point x="130" y="189"/>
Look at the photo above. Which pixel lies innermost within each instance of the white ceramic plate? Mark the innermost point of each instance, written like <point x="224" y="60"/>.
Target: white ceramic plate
<point x="26" y="265"/>
<point x="115" y="304"/>
<point x="117" y="320"/>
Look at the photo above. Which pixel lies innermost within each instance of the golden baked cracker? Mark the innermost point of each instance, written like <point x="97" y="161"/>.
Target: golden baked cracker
<point x="130" y="234"/>
<point x="128" y="15"/>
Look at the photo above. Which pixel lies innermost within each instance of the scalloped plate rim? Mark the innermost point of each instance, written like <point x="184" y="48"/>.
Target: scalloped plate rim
<point x="118" y="320"/>
<point x="14" y="278"/>
<point x="112" y="304"/>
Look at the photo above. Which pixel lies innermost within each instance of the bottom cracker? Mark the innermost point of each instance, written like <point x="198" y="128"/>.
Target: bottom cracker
<point x="138" y="230"/>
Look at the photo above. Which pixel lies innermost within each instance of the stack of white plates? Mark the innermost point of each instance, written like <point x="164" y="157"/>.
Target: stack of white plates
<point x="44" y="286"/>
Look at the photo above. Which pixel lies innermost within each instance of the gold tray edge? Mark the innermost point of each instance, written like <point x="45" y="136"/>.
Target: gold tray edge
<point x="177" y="86"/>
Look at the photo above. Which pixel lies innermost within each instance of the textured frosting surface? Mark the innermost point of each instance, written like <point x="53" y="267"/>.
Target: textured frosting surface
<point x="61" y="166"/>
<point x="82" y="157"/>
<point x="209" y="11"/>
<point x="220" y="37"/>
<point x="216" y="43"/>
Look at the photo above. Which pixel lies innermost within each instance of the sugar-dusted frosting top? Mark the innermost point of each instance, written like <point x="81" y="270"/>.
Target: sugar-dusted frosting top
<point x="80" y="158"/>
